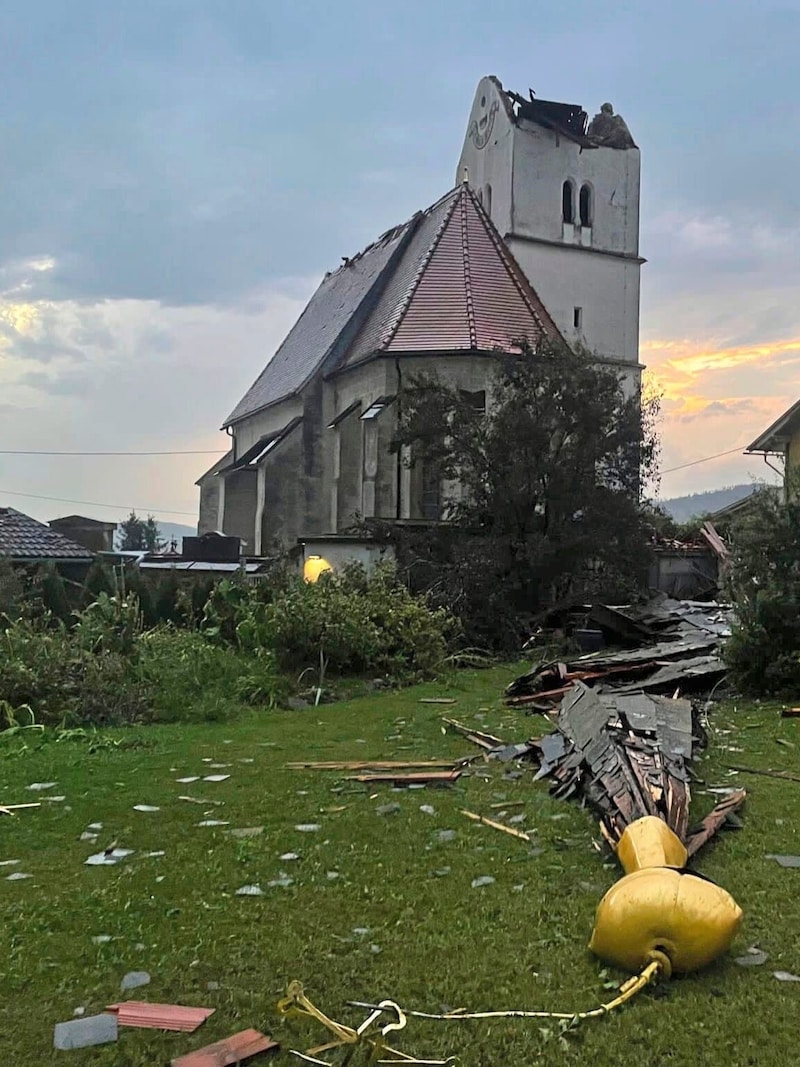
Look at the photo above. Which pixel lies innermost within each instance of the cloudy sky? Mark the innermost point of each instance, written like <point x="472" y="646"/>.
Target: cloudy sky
<point x="177" y="175"/>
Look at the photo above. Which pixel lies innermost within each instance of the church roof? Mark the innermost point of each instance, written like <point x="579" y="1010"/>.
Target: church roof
<point x="456" y="288"/>
<point x="443" y="282"/>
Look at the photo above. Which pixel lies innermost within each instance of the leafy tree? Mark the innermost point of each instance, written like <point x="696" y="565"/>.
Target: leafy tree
<point x="763" y="582"/>
<point x="549" y="485"/>
<point x="137" y="534"/>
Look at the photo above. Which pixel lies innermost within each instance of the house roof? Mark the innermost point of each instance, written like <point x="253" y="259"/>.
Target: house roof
<point x="83" y="520"/>
<point x="776" y="436"/>
<point x="445" y="281"/>
<point x="456" y="287"/>
<point x="23" y="538"/>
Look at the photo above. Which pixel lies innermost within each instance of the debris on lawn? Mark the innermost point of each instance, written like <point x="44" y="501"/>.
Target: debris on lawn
<point x="370" y="1034"/>
<point x="214" y="822"/>
<point x="250" y="891"/>
<point x="109" y="858"/>
<point x="388" y="809"/>
<point x="246" y="831"/>
<point x="438" y="700"/>
<point x="375" y="765"/>
<point x="216" y="778"/>
<point x="9" y="809"/>
<point x="17" y="876"/>
<point x="85" y="1032"/>
<point x="754" y="957"/>
<point x="133" y="980"/>
<point x="481" y="881"/>
<point x="308" y="827"/>
<point x="160" y="1016"/>
<point x="784" y="861"/>
<point x="767" y="772"/>
<point x="497" y="826"/>
<point x="668" y="644"/>
<point x="477" y="737"/>
<point x="785" y="976"/>
<point x="145" y="807"/>
<point x="790" y="713"/>
<point x="413" y="778"/>
<point x="230" y="1051"/>
<point x="38" y="787"/>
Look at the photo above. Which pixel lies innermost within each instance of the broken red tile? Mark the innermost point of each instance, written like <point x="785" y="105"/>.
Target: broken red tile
<point x="232" y="1050"/>
<point x="160" y="1016"/>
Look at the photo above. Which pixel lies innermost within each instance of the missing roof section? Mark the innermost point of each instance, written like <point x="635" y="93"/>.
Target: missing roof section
<point x="376" y="407"/>
<point x="262" y="448"/>
<point x="343" y="414"/>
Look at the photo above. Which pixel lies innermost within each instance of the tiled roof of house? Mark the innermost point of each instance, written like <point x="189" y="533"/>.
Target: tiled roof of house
<point x="456" y="288"/>
<point x="444" y="281"/>
<point x="23" y="538"/>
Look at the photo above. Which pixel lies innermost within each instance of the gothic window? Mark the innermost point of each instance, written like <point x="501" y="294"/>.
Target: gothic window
<point x="568" y="201"/>
<point x="586" y="205"/>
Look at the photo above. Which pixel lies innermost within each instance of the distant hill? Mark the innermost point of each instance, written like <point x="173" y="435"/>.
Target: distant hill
<point x="176" y="530"/>
<point x="683" y="508"/>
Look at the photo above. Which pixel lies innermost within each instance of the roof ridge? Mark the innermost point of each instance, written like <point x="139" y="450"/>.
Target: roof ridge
<point x="405" y="303"/>
<point x="473" y="328"/>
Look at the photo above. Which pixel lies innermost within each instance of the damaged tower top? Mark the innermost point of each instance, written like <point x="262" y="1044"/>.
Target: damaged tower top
<point x="563" y="190"/>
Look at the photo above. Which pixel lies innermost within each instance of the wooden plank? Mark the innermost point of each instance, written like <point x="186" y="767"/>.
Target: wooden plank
<point x="767" y="772"/>
<point x="478" y="737"/>
<point x="510" y="830"/>
<point x="416" y="777"/>
<point x="377" y="765"/>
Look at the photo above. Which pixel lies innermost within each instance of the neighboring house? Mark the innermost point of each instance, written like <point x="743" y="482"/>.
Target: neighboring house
<point x="781" y="439"/>
<point x="23" y="540"/>
<point x="542" y="206"/>
<point x="91" y="533"/>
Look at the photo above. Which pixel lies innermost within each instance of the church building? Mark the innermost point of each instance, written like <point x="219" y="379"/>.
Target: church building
<point x="539" y="238"/>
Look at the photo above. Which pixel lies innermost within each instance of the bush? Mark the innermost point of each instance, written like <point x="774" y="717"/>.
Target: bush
<point x="763" y="582"/>
<point x="349" y="621"/>
<point x="189" y="678"/>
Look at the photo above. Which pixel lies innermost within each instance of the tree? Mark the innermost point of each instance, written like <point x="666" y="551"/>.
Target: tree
<point x="550" y="482"/>
<point x="763" y="581"/>
<point x="137" y="534"/>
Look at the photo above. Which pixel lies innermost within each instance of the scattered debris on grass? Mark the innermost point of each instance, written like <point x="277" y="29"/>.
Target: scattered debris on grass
<point x="497" y="826"/>
<point x="250" y="891"/>
<point x="308" y="827"/>
<point x="438" y="700"/>
<point x="109" y="858"/>
<point x="415" y="778"/>
<point x="767" y="772"/>
<point x="17" y="876"/>
<point x="145" y="807"/>
<point x="374" y="765"/>
<point x="754" y="957"/>
<point x="388" y="809"/>
<point x="160" y="1016"/>
<point x="133" y="980"/>
<point x="9" y="809"/>
<point x="214" y="822"/>
<point x="784" y="861"/>
<point x="38" y="787"/>
<point x="216" y="778"/>
<point x="477" y="737"/>
<point x="85" y="1032"/>
<point x="785" y="976"/>
<point x="246" y="831"/>
<point x="232" y="1050"/>
<point x="668" y="643"/>
<point x="482" y="880"/>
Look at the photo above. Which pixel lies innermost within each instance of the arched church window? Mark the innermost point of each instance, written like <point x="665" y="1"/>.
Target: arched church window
<point x="586" y="206"/>
<point x="568" y="201"/>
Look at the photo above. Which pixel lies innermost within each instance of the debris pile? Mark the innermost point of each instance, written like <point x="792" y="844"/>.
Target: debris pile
<point x="666" y="646"/>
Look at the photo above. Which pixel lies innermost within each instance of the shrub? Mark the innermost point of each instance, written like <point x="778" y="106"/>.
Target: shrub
<point x="355" y="622"/>
<point x="763" y="652"/>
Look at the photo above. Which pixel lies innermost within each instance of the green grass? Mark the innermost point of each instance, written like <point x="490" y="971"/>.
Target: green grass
<point x="432" y="940"/>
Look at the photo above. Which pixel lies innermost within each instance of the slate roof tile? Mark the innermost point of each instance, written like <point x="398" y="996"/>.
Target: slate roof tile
<point x="22" y="537"/>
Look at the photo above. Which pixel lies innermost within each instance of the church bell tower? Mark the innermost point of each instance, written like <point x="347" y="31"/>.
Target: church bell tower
<point x="564" y="193"/>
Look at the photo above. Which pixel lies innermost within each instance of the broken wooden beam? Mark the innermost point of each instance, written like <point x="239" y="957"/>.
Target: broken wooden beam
<point x="231" y="1051"/>
<point x="371" y="764"/>
<point x="414" y="778"/>
<point x="767" y="772"/>
<point x="713" y="821"/>
<point x="497" y="825"/>
<point x="477" y="737"/>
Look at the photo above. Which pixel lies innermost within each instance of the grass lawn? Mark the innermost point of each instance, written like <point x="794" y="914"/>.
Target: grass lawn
<point x="378" y="905"/>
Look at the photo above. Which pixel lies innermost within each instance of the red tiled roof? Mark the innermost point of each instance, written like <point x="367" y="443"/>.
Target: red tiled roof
<point x="456" y="288"/>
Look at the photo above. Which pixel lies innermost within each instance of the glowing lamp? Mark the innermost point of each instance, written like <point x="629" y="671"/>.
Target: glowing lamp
<point x="314" y="566"/>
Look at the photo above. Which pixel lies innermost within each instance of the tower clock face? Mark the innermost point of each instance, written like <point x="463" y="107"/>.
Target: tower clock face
<point x="480" y="129"/>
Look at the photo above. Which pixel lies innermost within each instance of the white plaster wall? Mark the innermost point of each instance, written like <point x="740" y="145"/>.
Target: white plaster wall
<point x="489" y="163"/>
<point x="606" y="288"/>
<point x="337" y="553"/>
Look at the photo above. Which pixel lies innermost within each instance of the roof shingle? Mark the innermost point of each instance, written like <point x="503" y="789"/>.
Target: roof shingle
<point x="23" y="538"/>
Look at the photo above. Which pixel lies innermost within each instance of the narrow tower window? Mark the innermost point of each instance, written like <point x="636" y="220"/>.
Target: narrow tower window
<point x="568" y="202"/>
<point x="586" y="205"/>
<point x="577" y="317"/>
<point x="487" y="200"/>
